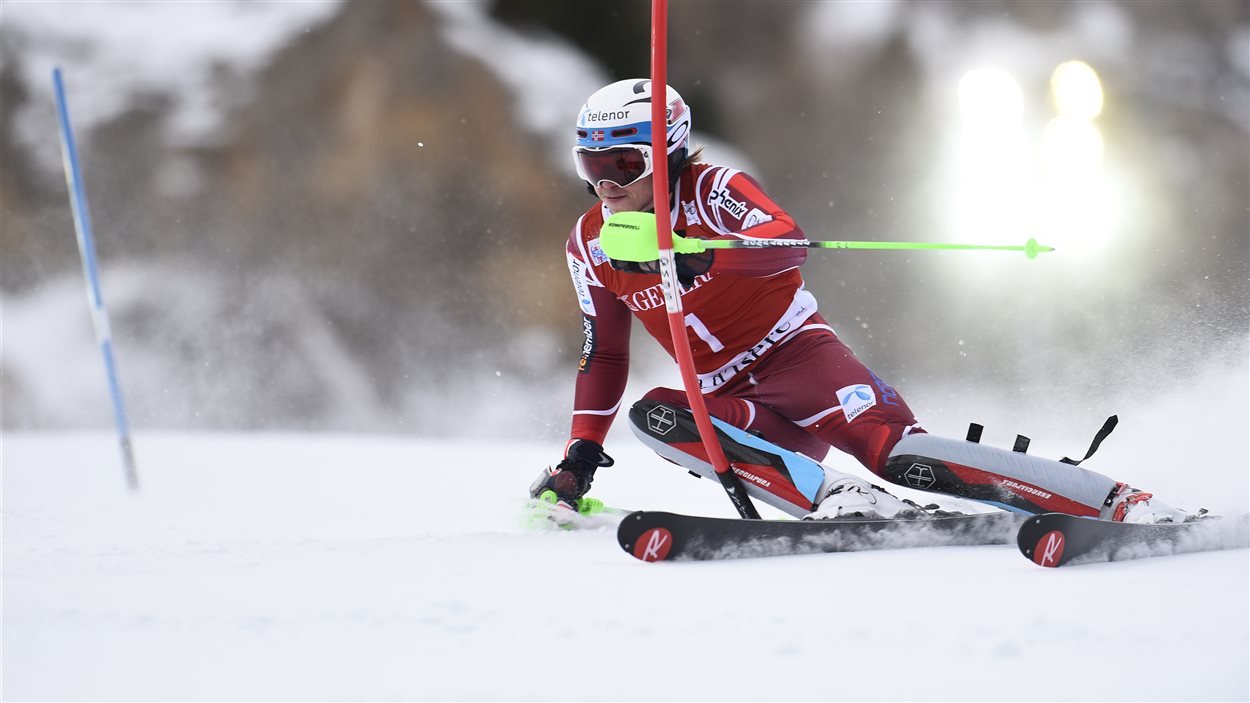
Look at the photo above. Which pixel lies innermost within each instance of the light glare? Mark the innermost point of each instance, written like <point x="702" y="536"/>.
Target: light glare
<point x="990" y="98"/>
<point x="1071" y="147"/>
<point x="1010" y="181"/>
<point x="1076" y="90"/>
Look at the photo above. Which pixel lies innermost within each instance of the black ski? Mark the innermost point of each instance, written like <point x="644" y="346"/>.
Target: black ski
<point x="657" y="536"/>
<point x="1056" y="539"/>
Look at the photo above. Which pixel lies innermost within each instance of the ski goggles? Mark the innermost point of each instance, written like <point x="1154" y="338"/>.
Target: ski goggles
<point x="621" y="165"/>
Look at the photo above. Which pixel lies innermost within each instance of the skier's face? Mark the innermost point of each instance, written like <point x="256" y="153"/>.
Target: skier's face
<point x="635" y="197"/>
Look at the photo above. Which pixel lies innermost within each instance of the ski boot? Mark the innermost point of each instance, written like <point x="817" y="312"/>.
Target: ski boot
<point x="853" y="497"/>
<point x="1130" y="505"/>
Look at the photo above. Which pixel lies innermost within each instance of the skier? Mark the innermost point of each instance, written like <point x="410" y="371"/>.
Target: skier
<point x="780" y="385"/>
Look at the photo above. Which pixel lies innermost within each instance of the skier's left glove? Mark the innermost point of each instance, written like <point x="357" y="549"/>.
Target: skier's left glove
<point x="628" y="239"/>
<point x="571" y="478"/>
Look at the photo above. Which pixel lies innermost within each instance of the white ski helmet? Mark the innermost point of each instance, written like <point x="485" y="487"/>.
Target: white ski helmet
<point x="620" y="113"/>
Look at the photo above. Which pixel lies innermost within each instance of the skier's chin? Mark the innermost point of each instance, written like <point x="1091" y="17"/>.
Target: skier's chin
<point x="614" y="205"/>
<point x="618" y="204"/>
<point x="625" y="203"/>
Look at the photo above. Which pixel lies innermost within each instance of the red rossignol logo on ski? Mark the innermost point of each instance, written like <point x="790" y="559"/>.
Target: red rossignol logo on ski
<point x="1049" y="549"/>
<point x="654" y="544"/>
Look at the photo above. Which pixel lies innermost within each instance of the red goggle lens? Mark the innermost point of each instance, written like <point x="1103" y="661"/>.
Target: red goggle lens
<point x="621" y="166"/>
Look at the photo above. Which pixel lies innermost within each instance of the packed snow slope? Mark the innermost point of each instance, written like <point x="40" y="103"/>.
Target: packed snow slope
<point x="290" y="567"/>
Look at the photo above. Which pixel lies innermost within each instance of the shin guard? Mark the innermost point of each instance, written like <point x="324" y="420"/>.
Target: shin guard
<point x="1007" y="479"/>
<point x="781" y="478"/>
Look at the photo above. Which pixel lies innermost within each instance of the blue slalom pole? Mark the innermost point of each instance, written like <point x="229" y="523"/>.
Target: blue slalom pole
<point x="86" y="247"/>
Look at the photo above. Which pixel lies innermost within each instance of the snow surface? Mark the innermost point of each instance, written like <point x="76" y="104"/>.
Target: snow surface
<point x="301" y="567"/>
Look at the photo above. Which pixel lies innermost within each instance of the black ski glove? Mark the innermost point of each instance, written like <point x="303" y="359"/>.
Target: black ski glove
<point x="571" y="478"/>
<point x="691" y="265"/>
<point x="688" y="266"/>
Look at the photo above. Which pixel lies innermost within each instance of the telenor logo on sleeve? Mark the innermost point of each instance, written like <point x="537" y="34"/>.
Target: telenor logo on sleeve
<point x="581" y="284"/>
<point x="856" y="399"/>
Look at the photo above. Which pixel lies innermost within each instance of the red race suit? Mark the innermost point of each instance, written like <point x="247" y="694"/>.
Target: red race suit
<point x="765" y="359"/>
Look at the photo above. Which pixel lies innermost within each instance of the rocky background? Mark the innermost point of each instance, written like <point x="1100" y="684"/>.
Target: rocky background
<point x="369" y="236"/>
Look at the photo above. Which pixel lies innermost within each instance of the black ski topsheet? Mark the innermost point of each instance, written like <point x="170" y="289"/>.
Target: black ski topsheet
<point x="1056" y="539"/>
<point x="659" y="536"/>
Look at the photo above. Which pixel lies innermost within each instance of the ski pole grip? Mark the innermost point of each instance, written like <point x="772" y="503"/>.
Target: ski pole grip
<point x="630" y="236"/>
<point x="684" y="245"/>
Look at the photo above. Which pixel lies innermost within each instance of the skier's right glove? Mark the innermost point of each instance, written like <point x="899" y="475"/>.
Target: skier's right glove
<point x="630" y="236"/>
<point x="628" y="240"/>
<point x="569" y="480"/>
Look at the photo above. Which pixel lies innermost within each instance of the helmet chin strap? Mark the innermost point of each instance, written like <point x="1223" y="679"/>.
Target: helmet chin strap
<point x="674" y="172"/>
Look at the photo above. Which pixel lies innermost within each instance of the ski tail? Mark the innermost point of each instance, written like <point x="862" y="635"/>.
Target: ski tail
<point x="778" y="477"/>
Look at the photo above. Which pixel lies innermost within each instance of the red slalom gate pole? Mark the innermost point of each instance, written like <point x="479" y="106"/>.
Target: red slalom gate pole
<point x="668" y="268"/>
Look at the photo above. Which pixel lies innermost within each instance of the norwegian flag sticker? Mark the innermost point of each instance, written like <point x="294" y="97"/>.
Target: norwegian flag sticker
<point x="596" y="136"/>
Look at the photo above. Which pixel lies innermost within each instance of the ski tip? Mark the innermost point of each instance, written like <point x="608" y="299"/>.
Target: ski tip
<point x="643" y="542"/>
<point x="653" y="545"/>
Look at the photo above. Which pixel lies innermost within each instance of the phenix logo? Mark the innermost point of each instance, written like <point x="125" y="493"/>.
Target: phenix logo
<point x="723" y="200"/>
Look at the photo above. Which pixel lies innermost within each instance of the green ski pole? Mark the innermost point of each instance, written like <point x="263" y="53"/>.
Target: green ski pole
<point x="628" y="236"/>
<point x="694" y="246"/>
